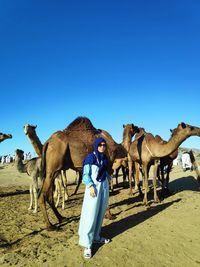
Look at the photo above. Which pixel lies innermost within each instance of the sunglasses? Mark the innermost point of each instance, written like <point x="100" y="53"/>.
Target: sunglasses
<point x="102" y="145"/>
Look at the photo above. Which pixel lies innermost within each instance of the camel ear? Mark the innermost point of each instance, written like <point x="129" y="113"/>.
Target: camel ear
<point x="123" y="125"/>
<point x="171" y="130"/>
<point x="183" y="125"/>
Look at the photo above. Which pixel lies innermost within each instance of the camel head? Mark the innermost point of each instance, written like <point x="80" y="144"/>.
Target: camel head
<point x="185" y="130"/>
<point x="130" y="128"/>
<point x="4" y="136"/>
<point x="19" y="153"/>
<point x="29" y="128"/>
<point x="120" y="162"/>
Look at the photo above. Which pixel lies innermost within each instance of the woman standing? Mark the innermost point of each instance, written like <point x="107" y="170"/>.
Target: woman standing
<point x="95" y="202"/>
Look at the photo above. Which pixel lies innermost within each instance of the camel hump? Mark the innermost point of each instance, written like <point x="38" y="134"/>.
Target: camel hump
<point x="80" y="124"/>
<point x="149" y="137"/>
<point x="159" y="139"/>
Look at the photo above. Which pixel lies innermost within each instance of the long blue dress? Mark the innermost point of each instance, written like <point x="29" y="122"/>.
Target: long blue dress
<point x="93" y="208"/>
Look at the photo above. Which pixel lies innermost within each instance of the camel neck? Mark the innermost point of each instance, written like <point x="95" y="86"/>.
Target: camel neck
<point x="21" y="167"/>
<point x="127" y="141"/>
<point x="159" y="150"/>
<point x="37" y="145"/>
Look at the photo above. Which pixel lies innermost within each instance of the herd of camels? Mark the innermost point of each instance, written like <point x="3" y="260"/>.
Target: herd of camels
<point x="67" y="149"/>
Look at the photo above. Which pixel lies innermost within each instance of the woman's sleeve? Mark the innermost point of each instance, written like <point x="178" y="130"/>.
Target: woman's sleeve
<point x="87" y="175"/>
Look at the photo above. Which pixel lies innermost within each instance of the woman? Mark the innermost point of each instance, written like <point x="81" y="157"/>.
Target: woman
<point x="95" y="202"/>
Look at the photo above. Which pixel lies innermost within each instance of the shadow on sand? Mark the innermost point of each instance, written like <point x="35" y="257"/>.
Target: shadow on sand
<point x="117" y="228"/>
<point x="184" y="183"/>
<point x="17" y="192"/>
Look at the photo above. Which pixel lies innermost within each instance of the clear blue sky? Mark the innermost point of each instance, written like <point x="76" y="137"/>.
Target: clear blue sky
<point x="115" y="62"/>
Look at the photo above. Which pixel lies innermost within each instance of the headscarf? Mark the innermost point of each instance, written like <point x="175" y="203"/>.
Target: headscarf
<point x="99" y="159"/>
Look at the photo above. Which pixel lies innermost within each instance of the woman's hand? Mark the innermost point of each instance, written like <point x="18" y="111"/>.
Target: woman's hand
<point x="92" y="191"/>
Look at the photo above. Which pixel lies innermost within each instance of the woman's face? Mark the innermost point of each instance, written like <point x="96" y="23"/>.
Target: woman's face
<point x="102" y="147"/>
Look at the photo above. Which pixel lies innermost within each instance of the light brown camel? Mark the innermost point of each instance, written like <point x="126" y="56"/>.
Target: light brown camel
<point x="147" y="148"/>
<point x="67" y="149"/>
<point x="128" y="133"/>
<point x="34" y="169"/>
<point x="117" y="165"/>
<point x="4" y="136"/>
<point x="61" y="179"/>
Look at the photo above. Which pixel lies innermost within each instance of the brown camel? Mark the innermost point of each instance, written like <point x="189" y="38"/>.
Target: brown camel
<point x="33" y="168"/>
<point x="128" y="132"/>
<point x="147" y="148"/>
<point x="4" y="136"/>
<point x="167" y="162"/>
<point x="61" y="179"/>
<point x="67" y="149"/>
<point x="117" y="165"/>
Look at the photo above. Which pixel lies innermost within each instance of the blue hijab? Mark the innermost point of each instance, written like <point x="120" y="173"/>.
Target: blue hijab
<point x="99" y="159"/>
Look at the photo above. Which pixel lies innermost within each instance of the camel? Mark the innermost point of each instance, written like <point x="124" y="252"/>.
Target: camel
<point x="33" y="168"/>
<point x="67" y="149"/>
<point x="128" y="133"/>
<point x="117" y="165"/>
<point x="167" y="162"/>
<point x="4" y="136"/>
<point x="61" y="180"/>
<point x="147" y="148"/>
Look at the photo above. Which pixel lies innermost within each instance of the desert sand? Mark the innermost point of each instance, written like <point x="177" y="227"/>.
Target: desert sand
<point x="163" y="234"/>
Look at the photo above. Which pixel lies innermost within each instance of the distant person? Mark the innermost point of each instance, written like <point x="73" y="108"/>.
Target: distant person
<point x="3" y="160"/>
<point x="95" y="202"/>
<point x="186" y="161"/>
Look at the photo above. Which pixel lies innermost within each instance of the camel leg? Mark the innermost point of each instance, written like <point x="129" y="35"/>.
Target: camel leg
<point x="145" y="200"/>
<point x="64" y="185"/>
<point x="111" y="183"/>
<point x="50" y="200"/>
<point x="130" y="168"/>
<point x="137" y="179"/>
<point x="31" y="197"/>
<point x="156" y="198"/>
<point x="116" y="176"/>
<point x="162" y="177"/>
<point x="64" y="182"/>
<point x="35" y="193"/>
<point x="79" y="182"/>
<point x="124" y="176"/>
<point x="166" y="186"/>
<point x="57" y="191"/>
<point x="42" y="200"/>
<point x="136" y="175"/>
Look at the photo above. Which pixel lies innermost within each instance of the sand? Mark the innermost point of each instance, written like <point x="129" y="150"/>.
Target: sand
<point x="164" y="234"/>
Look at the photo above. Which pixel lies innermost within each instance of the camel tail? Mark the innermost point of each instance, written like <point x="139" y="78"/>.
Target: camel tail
<point x="43" y="166"/>
<point x="43" y="162"/>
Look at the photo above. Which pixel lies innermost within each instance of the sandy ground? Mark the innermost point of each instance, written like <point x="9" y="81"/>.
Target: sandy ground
<point x="164" y="234"/>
